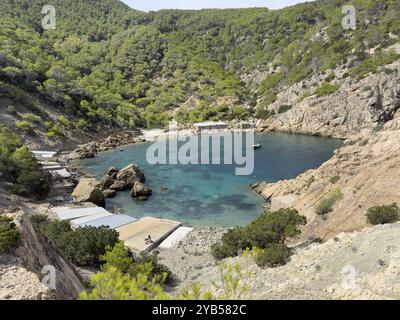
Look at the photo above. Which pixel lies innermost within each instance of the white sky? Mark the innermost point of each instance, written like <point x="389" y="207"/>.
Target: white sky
<point x="147" y="5"/>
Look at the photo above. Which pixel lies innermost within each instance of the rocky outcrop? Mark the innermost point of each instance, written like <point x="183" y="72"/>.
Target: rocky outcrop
<point x="88" y="190"/>
<point x="357" y="106"/>
<point x="90" y="150"/>
<point x="366" y="170"/>
<point x="21" y="272"/>
<point x="361" y="265"/>
<point x="130" y="177"/>
<point x="139" y="190"/>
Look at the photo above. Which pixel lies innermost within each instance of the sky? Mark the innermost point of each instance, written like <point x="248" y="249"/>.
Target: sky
<point x="148" y="5"/>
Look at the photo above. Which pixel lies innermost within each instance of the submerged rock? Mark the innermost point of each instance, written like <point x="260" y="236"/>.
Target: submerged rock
<point x="110" y="193"/>
<point x="106" y="181"/>
<point x="119" y="186"/>
<point x="112" y="172"/>
<point x="88" y="190"/>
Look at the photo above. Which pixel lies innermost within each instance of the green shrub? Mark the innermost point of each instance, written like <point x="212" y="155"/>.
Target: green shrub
<point x="273" y="255"/>
<point x="284" y="108"/>
<point x="274" y="227"/>
<point x="310" y="181"/>
<point x="383" y="214"/>
<point x="269" y="228"/>
<point x="121" y="258"/>
<point x="11" y="109"/>
<point x="304" y="96"/>
<point x="9" y="235"/>
<point x="64" y="122"/>
<point x="238" y="112"/>
<point x="31" y="117"/>
<point x="231" y="243"/>
<point x="24" y="126"/>
<point x="82" y="247"/>
<point x="55" y="133"/>
<point x="334" y="179"/>
<point x="326" y="88"/>
<point x="263" y="113"/>
<point x="326" y="204"/>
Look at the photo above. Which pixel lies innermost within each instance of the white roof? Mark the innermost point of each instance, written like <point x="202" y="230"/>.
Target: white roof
<point x="63" y="174"/>
<point x="67" y="213"/>
<point x="177" y="236"/>
<point x="210" y="123"/>
<point x="113" y="221"/>
<point x="76" y="223"/>
<point x="44" y="154"/>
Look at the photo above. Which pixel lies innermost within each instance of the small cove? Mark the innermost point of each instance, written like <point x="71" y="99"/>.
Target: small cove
<point x="212" y="195"/>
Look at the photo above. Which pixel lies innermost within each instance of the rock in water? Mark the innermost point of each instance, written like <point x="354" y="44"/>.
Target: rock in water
<point x="119" y="186"/>
<point x="112" y="172"/>
<point x="106" y="182"/>
<point x="110" y="193"/>
<point x="88" y="190"/>
<point x="139" y="190"/>
<point x="130" y="175"/>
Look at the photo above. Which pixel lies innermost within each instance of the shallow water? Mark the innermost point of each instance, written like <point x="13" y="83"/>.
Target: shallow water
<point x="212" y="195"/>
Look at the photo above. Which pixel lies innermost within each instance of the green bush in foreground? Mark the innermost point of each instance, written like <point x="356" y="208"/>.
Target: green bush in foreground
<point x="270" y="228"/>
<point x="82" y="247"/>
<point x="326" y="204"/>
<point x="9" y="235"/>
<point x="231" y="244"/>
<point x="273" y="255"/>
<point x="383" y="214"/>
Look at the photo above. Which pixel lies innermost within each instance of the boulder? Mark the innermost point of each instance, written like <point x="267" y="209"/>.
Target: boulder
<point x="112" y="172"/>
<point x="119" y="186"/>
<point x="139" y="190"/>
<point x="88" y="190"/>
<point x="106" y="181"/>
<point x="109" y="193"/>
<point x="130" y="175"/>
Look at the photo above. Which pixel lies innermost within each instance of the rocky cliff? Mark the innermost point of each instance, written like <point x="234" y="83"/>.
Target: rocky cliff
<point x="366" y="169"/>
<point x="360" y="265"/>
<point x="357" y="106"/>
<point x="21" y="272"/>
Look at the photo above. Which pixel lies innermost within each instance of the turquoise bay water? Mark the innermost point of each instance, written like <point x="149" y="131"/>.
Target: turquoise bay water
<point x="212" y="195"/>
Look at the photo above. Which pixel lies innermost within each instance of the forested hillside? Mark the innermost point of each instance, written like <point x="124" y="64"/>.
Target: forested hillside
<point x="108" y="66"/>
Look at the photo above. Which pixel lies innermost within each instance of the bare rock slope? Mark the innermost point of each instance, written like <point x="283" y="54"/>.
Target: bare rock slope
<point x="365" y="170"/>
<point x="359" y="265"/>
<point x="357" y="106"/>
<point x="21" y="272"/>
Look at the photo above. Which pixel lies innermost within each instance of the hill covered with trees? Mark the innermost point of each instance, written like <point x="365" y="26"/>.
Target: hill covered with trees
<point x="109" y="66"/>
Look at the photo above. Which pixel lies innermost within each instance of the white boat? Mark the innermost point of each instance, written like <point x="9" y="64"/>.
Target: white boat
<point x="257" y="146"/>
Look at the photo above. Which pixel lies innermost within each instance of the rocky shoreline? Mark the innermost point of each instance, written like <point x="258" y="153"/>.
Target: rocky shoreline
<point x="89" y="150"/>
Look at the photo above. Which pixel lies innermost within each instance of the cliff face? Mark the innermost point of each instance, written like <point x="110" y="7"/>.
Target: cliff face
<point x="366" y="169"/>
<point x="357" y="106"/>
<point x="21" y="273"/>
